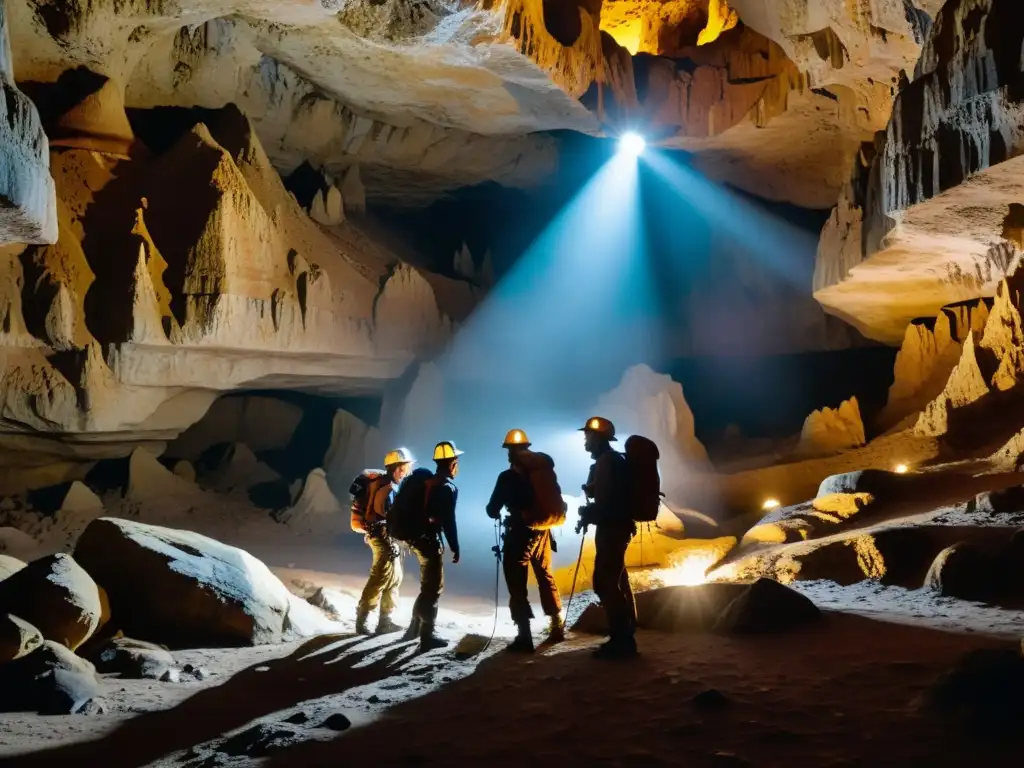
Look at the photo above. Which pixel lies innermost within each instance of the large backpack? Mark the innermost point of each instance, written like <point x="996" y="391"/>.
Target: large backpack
<point x="408" y="518"/>
<point x="644" y="482"/>
<point x="362" y="490"/>
<point x="548" y="508"/>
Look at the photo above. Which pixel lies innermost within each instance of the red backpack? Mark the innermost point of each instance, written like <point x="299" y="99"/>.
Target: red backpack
<point x="363" y="489"/>
<point x="548" y="509"/>
<point x="644" y="482"/>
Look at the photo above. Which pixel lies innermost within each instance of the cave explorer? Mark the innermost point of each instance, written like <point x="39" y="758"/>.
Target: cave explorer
<point x="529" y="490"/>
<point x="372" y="497"/>
<point x="608" y="510"/>
<point x="423" y="512"/>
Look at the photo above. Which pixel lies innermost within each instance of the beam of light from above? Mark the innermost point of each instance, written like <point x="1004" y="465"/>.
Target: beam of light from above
<point x="632" y="144"/>
<point x="776" y="243"/>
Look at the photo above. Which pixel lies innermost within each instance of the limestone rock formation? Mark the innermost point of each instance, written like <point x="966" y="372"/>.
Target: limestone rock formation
<point x="766" y="606"/>
<point x="9" y="565"/>
<point x="27" y="201"/>
<point x="262" y="423"/>
<point x="155" y="306"/>
<point x="317" y="509"/>
<point x="833" y="430"/>
<point x="928" y="354"/>
<point x="652" y="404"/>
<point x="932" y="216"/>
<point x="183" y="589"/>
<point x="354" y="446"/>
<point x="55" y="595"/>
<point x="964" y="571"/>
<point x="237" y="467"/>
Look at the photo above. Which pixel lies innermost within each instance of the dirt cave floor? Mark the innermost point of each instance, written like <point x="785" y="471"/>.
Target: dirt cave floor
<point x="844" y="692"/>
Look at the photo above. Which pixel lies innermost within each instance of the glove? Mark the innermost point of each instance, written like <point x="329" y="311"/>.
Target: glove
<point x="455" y="558"/>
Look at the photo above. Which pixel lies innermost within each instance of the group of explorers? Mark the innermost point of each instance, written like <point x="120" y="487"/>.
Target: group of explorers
<point x="400" y="509"/>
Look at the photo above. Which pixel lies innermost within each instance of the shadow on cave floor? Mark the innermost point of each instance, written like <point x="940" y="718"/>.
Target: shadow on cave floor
<point x="328" y="665"/>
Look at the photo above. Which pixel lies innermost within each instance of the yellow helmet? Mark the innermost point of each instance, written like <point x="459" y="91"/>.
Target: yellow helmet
<point x="398" y="456"/>
<point x="600" y="426"/>
<point x="446" y="450"/>
<point x="516" y="437"/>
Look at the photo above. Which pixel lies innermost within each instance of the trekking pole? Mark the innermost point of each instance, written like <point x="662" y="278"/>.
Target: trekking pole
<point x="496" y="549"/>
<point x="576" y="573"/>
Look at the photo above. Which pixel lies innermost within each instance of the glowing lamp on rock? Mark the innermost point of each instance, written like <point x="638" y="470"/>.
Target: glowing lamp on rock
<point x="632" y="144"/>
<point x="901" y="469"/>
<point x="770" y="504"/>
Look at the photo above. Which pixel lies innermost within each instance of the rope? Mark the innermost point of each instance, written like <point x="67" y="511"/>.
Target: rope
<point x="496" y="549"/>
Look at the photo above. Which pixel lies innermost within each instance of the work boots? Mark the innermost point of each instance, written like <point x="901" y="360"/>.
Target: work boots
<point x="617" y="647"/>
<point x="362" y="614"/>
<point x="429" y="641"/>
<point x="413" y="632"/>
<point x="524" y="640"/>
<point x="556" y="632"/>
<point x="386" y="626"/>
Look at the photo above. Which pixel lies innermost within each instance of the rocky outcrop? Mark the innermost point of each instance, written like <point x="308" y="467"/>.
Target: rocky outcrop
<point x="52" y="681"/>
<point x="132" y="659"/>
<point x="152" y="306"/>
<point x="262" y="423"/>
<point x="930" y="351"/>
<point x="27" y="201"/>
<point x="766" y="606"/>
<point x="652" y="404"/>
<point x="183" y="589"/>
<point x="933" y="216"/>
<point x="55" y="595"/>
<point x="832" y="430"/>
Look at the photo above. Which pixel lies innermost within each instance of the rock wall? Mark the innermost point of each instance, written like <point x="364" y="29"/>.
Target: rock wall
<point x="183" y="269"/>
<point x="932" y="216"/>
<point x="27" y="213"/>
<point x="831" y="430"/>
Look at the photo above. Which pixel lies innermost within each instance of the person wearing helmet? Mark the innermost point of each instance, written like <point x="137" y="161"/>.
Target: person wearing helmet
<point x="524" y="547"/>
<point x="441" y="500"/>
<point x="386" y="568"/>
<point x="607" y="510"/>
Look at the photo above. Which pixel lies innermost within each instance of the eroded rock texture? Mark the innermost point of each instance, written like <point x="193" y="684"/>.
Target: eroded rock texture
<point x="26" y="190"/>
<point x="933" y="214"/>
<point x="183" y="269"/>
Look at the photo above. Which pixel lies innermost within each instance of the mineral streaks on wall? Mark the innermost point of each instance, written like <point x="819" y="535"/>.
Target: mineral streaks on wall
<point x="935" y="222"/>
<point x="187" y="272"/>
<point x="27" y="202"/>
<point x="663" y="27"/>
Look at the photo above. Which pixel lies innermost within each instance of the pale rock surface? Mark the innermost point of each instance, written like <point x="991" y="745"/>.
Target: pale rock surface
<point x="27" y="201"/>
<point x="354" y="446"/>
<point x="832" y="430"/>
<point x="157" y="309"/>
<point x="9" y="565"/>
<point x="932" y="217"/>
<point x="181" y="588"/>
<point x="151" y="481"/>
<point x="80" y="499"/>
<point x="317" y="510"/>
<point x="52" y="680"/>
<point x="185" y="470"/>
<point x="928" y="354"/>
<point x="652" y="404"/>
<point x="56" y="595"/>
<point x="328" y="209"/>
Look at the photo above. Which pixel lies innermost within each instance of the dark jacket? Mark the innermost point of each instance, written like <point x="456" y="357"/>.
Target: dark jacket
<point x="607" y="488"/>
<point x="513" y="492"/>
<point x="441" y="507"/>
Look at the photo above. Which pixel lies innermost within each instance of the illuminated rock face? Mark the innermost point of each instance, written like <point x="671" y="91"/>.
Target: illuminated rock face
<point x="27" y="212"/>
<point x="933" y="216"/>
<point x="184" y="273"/>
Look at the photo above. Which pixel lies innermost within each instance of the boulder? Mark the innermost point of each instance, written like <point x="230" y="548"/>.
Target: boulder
<point x="983" y="692"/>
<point x="966" y="571"/>
<point x="56" y="595"/>
<point x="766" y="606"/>
<point x="51" y="680"/>
<point x="669" y="609"/>
<point x="17" y="638"/>
<point x="183" y="589"/>
<point x="131" y="659"/>
<point x="9" y="565"/>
